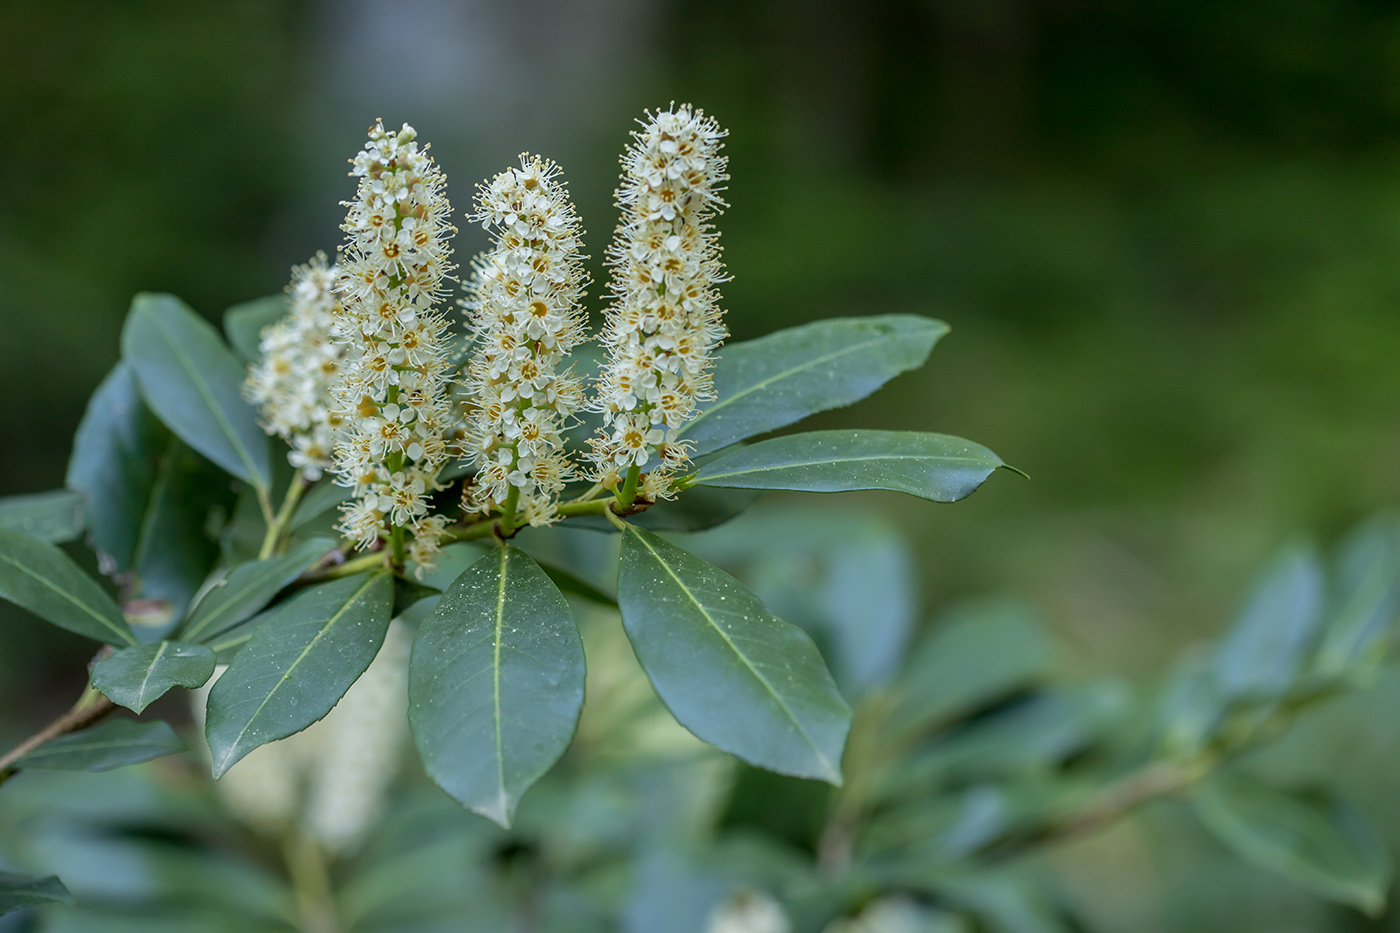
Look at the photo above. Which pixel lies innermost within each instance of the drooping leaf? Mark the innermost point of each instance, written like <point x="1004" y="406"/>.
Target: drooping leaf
<point x="39" y="577"/>
<point x="107" y="745"/>
<point x="764" y="384"/>
<point x="1193" y="707"/>
<point x="247" y="589"/>
<point x="135" y="677"/>
<point x="193" y="382"/>
<point x="1365" y="602"/>
<point x="731" y="672"/>
<point x="55" y="516"/>
<point x="297" y="665"/>
<point x="322" y="498"/>
<point x="931" y="466"/>
<point x="1265" y="649"/>
<point x="244" y="323"/>
<point x="1322" y="844"/>
<point x="18" y="892"/>
<point x="495" y="683"/>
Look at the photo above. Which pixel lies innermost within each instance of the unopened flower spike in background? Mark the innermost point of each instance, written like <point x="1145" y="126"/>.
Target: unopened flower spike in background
<point x="393" y="386"/>
<point x="290" y="382"/>
<point x="525" y="317"/>
<point x="664" y="320"/>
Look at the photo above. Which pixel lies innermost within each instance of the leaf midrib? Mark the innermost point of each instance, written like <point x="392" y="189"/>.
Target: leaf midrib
<point x="286" y="674"/>
<point x="782" y="704"/>
<point x="127" y="637"/>
<point x="703" y="476"/>
<point x="254" y="476"/>
<point x="496" y="684"/>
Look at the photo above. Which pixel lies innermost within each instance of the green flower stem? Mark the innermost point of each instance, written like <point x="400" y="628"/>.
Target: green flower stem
<point x="628" y="495"/>
<point x="509" y="509"/>
<point x="311" y="882"/>
<point x="279" y="522"/>
<point x="91" y="707"/>
<point x="372" y="561"/>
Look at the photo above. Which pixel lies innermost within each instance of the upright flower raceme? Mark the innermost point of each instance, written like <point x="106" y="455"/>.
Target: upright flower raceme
<point x="664" y="320"/>
<point x="290" y="382"/>
<point x="392" y="391"/>
<point x="525" y="317"/>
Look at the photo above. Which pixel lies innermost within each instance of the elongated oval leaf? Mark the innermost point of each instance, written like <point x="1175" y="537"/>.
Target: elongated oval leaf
<point x="1365" y="603"/>
<point x="39" y="577"/>
<point x="18" y="892"/>
<point x="49" y="516"/>
<point x="1323" y="845"/>
<point x="192" y="381"/>
<point x="297" y="665"/>
<point x="931" y="466"/>
<point x="247" y="589"/>
<point x="111" y="744"/>
<point x="732" y="673"/>
<point x="495" y="683"/>
<point x="322" y="498"/>
<point x="1264" y="652"/>
<point x="135" y="677"/>
<point x="764" y="384"/>
<point x="244" y="323"/>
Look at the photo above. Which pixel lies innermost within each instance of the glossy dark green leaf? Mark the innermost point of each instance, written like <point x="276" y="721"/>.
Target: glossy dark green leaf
<point x="244" y="323"/>
<point x="107" y="745"/>
<point x="775" y="380"/>
<point x="495" y="683"/>
<point x="732" y="673"/>
<point x="19" y="892"/>
<point x="1266" y="647"/>
<point x="55" y="516"/>
<point x="248" y="588"/>
<point x="193" y="382"/>
<point x="297" y="665"/>
<point x="931" y="466"/>
<point x="321" y="498"/>
<point x="1364" y="603"/>
<point x="39" y="577"/>
<point x="1322" y="844"/>
<point x="135" y="677"/>
<point x="974" y="655"/>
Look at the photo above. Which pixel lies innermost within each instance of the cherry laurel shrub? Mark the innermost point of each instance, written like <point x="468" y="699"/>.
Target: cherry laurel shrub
<point x="406" y="481"/>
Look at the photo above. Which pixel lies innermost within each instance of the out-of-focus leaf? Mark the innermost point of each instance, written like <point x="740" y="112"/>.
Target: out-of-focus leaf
<point x="111" y="744"/>
<point x="18" y="892"/>
<point x="1322" y="844"/>
<point x="729" y="671"/>
<point x="1193" y="707"/>
<point x="247" y="589"/>
<point x="135" y="677"/>
<point x="1002" y="902"/>
<point x="1265" y="649"/>
<point x="1364" y="601"/>
<point x="898" y="914"/>
<point x="785" y="376"/>
<point x="297" y="665"/>
<point x="39" y="577"/>
<point x="322" y="498"/>
<point x="193" y="382"/>
<point x="49" y="516"/>
<point x="937" y="467"/>
<point x="974" y="654"/>
<point x="574" y="585"/>
<point x="495" y="683"/>
<point x="244" y="323"/>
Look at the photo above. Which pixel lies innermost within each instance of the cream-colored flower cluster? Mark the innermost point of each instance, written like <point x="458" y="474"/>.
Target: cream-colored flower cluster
<point x="525" y="317"/>
<point x="290" y="381"/>
<point x="664" y="321"/>
<point x="393" y="387"/>
<point x="329" y="780"/>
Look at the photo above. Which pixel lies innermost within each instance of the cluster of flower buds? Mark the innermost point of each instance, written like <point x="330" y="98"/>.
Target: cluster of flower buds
<point x="664" y="320"/>
<point x="525" y="317"/>
<point x="392" y="390"/>
<point x="329" y="780"/>
<point x="290" y="381"/>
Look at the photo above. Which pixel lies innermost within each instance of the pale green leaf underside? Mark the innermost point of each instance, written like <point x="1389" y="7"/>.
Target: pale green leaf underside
<point x="111" y="744"/>
<point x="729" y="671"/>
<point x="495" y="683"/>
<point x="20" y="892"/>
<point x="937" y="467"/>
<point x="48" y="516"/>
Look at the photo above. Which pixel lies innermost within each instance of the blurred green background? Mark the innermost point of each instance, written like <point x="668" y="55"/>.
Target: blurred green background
<point x="1165" y="235"/>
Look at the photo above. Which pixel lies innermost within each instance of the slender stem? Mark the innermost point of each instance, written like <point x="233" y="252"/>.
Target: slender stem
<point x="612" y="516"/>
<point x="628" y="495"/>
<point x="396" y="546"/>
<point x="311" y="882"/>
<point x="84" y="714"/>
<point x="279" y="522"/>
<point x="264" y="503"/>
<point x="350" y="567"/>
<point x="508" y="510"/>
<point x="587" y="507"/>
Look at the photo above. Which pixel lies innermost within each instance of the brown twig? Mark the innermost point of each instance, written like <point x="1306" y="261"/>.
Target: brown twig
<point x="79" y="717"/>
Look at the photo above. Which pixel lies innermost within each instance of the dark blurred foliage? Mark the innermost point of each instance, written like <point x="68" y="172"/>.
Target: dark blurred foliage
<point x="1165" y="234"/>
